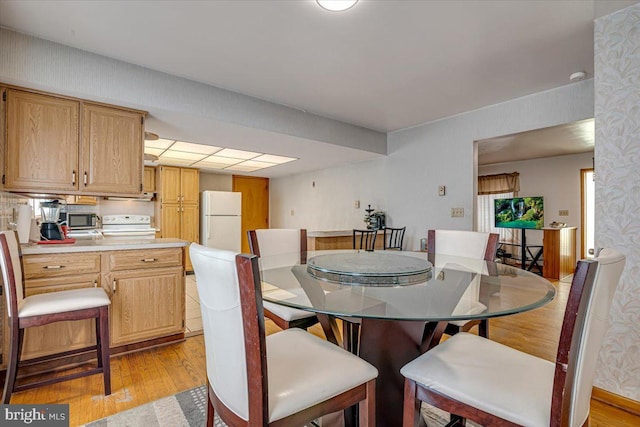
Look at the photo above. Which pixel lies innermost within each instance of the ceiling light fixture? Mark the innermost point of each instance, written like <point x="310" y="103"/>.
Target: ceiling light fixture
<point x="171" y="152"/>
<point x="336" y="5"/>
<point x="577" y="76"/>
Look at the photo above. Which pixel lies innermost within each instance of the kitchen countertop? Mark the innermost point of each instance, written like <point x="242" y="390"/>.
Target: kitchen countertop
<point x="98" y="245"/>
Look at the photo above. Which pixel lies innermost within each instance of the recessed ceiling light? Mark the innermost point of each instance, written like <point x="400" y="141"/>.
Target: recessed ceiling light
<point x="222" y="160"/>
<point x="159" y="143"/>
<point x="172" y="154"/>
<point x="270" y="158"/>
<point x="238" y="154"/>
<point x="194" y="148"/>
<point x="180" y="153"/>
<point x="336" y="5"/>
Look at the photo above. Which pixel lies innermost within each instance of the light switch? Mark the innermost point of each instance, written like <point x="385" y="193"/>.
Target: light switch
<point x="457" y="212"/>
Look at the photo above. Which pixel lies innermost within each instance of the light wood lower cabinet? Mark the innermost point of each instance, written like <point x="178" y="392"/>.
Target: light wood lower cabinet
<point x="146" y="288"/>
<point x="147" y="294"/>
<point x="146" y="304"/>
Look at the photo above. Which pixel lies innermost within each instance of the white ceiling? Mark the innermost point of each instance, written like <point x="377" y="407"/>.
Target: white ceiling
<point x="384" y="65"/>
<point x="561" y="140"/>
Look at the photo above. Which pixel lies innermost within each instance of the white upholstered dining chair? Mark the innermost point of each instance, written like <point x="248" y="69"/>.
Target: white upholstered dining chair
<point x="492" y="384"/>
<point x="467" y="244"/>
<point x="280" y="247"/>
<point x="42" y="309"/>
<point x="287" y="378"/>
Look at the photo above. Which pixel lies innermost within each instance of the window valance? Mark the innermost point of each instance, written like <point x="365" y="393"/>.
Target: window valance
<point x="499" y="183"/>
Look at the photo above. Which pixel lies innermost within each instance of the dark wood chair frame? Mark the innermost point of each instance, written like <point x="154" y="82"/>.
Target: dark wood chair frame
<point x="564" y="375"/>
<point x="366" y="239"/>
<point x="489" y="255"/>
<point x="17" y="326"/>
<point x="395" y="238"/>
<point x="304" y="323"/>
<point x="256" y="353"/>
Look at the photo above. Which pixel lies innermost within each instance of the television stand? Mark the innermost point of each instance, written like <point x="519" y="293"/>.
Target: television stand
<point x="529" y="254"/>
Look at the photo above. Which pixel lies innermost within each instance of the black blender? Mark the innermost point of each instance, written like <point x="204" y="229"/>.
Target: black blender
<point x="49" y="216"/>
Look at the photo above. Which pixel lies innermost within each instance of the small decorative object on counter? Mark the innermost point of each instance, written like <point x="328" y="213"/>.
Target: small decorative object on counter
<point x="375" y="220"/>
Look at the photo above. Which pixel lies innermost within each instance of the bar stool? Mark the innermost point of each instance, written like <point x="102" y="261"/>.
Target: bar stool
<point x="37" y="310"/>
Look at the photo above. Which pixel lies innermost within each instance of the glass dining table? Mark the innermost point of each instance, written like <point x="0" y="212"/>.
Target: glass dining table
<point x="401" y="301"/>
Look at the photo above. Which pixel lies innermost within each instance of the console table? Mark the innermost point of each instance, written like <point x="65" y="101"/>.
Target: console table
<point x="559" y="252"/>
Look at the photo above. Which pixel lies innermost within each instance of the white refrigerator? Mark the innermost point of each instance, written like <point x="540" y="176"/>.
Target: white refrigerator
<point x="220" y="222"/>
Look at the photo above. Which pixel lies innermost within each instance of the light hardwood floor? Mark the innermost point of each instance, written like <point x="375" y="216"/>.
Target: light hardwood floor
<point x="142" y="377"/>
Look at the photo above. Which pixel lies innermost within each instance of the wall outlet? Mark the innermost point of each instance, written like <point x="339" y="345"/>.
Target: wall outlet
<point x="457" y="212"/>
<point x="563" y="212"/>
<point x="357" y="204"/>
<point x="441" y="190"/>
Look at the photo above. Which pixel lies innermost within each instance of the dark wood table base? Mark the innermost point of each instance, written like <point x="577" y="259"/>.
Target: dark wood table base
<point x="389" y="345"/>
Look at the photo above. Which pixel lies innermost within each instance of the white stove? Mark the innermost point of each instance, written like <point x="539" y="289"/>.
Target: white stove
<point x="128" y="226"/>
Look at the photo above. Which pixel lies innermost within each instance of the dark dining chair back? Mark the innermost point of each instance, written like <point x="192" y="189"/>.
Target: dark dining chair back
<point x="364" y="239"/>
<point x="393" y="238"/>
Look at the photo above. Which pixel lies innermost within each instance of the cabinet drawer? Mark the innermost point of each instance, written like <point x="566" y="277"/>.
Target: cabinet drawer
<point x="148" y="258"/>
<point x="53" y="265"/>
<point x="62" y="283"/>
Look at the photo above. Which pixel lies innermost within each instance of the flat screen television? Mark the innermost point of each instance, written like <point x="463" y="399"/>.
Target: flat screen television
<point x="519" y="212"/>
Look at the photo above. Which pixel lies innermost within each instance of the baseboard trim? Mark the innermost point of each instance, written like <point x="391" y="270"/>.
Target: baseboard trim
<point x="620" y="402"/>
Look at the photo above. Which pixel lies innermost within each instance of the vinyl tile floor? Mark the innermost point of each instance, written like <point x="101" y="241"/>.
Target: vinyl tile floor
<point x="192" y="305"/>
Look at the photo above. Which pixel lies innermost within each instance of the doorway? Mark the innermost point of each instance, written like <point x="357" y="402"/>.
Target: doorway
<point x="587" y="200"/>
<point x="255" y="204"/>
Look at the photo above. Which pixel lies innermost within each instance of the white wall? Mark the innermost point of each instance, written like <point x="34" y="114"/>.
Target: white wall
<point x="405" y="182"/>
<point x="557" y="179"/>
<point x="215" y="181"/>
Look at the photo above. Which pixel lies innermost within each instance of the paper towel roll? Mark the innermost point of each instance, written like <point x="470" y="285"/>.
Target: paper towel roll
<point x="24" y="223"/>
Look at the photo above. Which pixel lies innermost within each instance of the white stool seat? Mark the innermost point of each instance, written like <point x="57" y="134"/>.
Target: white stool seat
<point x="63" y="301"/>
<point x="513" y="385"/>
<point x="287" y="313"/>
<point x="316" y="371"/>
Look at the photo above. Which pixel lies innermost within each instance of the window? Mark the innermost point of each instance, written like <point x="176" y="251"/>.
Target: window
<point x="491" y="187"/>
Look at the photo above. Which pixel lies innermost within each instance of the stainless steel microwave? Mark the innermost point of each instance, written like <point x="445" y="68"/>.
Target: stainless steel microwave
<point x="79" y="221"/>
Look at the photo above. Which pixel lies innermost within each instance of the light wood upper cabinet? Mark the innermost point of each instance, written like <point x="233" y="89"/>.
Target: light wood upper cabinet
<point x="178" y="212"/>
<point x="169" y="184"/>
<point x="112" y="150"/>
<point x="42" y="142"/>
<point x="149" y="180"/>
<point x="70" y="146"/>
<point x="190" y="185"/>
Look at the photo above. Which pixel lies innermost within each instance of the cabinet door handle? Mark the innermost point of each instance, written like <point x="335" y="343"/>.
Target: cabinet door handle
<point x="95" y="283"/>
<point x="178" y="208"/>
<point x="53" y="267"/>
<point x="73" y="178"/>
<point x="85" y="179"/>
<point x="149" y="260"/>
<point x="113" y="285"/>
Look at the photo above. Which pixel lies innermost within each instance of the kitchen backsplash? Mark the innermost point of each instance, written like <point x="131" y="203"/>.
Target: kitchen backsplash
<point x="9" y="203"/>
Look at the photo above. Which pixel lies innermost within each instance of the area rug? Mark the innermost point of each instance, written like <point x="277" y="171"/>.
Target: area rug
<point x="189" y="408"/>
